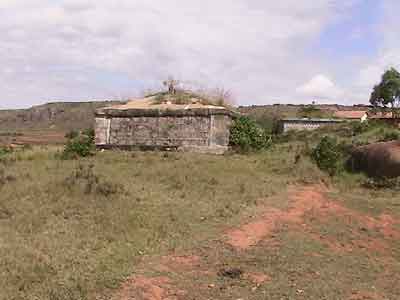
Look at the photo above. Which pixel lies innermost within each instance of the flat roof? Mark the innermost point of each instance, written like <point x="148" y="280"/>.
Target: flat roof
<point x="381" y="115"/>
<point x="350" y="114"/>
<point x="151" y="107"/>
<point x="312" y="120"/>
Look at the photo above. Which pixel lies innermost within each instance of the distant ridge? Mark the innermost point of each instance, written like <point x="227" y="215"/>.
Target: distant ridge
<point x="48" y="123"/>
<point x="65" y="116"/>
<point x="58" y="116"/>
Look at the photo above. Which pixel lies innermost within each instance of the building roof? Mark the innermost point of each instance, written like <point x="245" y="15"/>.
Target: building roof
<point x="350" y="114"/>
<point x="312" y="120"/>
<point x="380" y="115"/>
<point x="150" y="103"/>
<point x="149" y="106"/>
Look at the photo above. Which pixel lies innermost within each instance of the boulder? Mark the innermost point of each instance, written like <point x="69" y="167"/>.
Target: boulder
<point x="377" y="160"/>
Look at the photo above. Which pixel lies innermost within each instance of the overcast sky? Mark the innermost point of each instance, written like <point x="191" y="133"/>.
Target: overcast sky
<point x="264" y="51"/>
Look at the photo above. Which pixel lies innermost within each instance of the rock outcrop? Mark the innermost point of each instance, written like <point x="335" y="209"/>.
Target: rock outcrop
<point x="377" y="160"/>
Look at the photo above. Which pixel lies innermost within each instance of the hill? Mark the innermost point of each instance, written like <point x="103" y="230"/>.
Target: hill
<point x="59" y="116"/>
<point x="291" y="110"/>
<point x="47" y="123"/>
<point x="267" y="115"/>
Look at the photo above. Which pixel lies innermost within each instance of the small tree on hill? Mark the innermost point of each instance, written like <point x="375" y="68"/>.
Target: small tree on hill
<point x="386" y="94"/>
<point x="171" y="84"/>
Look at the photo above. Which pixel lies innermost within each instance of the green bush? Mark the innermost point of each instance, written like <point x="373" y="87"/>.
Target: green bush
<point x="269" y="123"/>
<point x="360" y="127"/>
<point x="5" y="150"/>
<point x="82" y="145"/>
<point x="89" y="132"/>
<point x="72" y="134"/>
<point x="246" y="135"/>
<point x="390" y="135"/>
<point x="310" y="111"/>
<point x="328" y="155"/>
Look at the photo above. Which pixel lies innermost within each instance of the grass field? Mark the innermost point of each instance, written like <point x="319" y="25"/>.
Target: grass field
<point x="152" y="225"/>
<point x="33" y="137"/>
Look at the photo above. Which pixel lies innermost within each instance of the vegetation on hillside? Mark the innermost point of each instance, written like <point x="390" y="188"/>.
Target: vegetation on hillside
<point x="268" y="116"/>
<point x="386" y="94"/>
<point x="310" y="111"/>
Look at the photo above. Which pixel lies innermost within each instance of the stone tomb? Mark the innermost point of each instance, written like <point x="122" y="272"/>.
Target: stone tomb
<point x="141" y="124"/>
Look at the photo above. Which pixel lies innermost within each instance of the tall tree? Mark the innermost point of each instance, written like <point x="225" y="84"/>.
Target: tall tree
<point x="386" y="94"/>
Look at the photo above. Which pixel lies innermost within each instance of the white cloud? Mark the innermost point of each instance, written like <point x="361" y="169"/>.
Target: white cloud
<point x="321" y="87"/>
<point x="371" y="73"/>
<point x="252" y="47"/>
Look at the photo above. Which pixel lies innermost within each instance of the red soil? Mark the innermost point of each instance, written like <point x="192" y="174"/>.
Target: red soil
<point x="306" y="200"/>
<point x="251" y="233"/>
<point x="187" y="261"/>
<point x="312" y="201"/>
<point x="258" y="278"/>
<point x="305" y="204"/>
<point x="145" y="288"/>
<point x="173" y="263"/>
<point x="365" y="296"/>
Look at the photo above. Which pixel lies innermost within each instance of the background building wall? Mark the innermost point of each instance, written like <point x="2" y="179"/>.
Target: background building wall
<point x="287" y="126"/>
<point x="304" y="125"/>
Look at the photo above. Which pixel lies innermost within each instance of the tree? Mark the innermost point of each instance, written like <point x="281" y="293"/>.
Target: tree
<point x="386" y="94"/>
<point x="171" y="84"/>
<point x="246" y="135"/>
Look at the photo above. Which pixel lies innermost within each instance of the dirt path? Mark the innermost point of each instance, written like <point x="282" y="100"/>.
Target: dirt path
<point x="304" y="204"/>
<point x="307" y="199"/>
<point x="312" y="201"/>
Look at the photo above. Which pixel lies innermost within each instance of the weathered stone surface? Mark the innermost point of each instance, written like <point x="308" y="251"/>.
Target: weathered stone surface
<point x="101" y="130"/>
<point x="204" y="132"/>
<point x="377" y="160"/>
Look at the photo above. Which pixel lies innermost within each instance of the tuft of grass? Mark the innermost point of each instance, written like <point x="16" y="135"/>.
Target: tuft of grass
<point x="85" y="178"/>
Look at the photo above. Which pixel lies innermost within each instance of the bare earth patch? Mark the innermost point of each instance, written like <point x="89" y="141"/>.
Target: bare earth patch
<point x="311" y="200"/>
<point x="250" y="234"/>
<point x="258" y="278"/>
<point x="307" y="202"/>
<point x="302" y="201"/>
<point x="145" y="288"/>
<point x="365" y="296"/>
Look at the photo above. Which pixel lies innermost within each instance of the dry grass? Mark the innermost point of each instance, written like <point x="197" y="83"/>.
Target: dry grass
<point x="217" y="97"/>
<point x="68" y="234"/>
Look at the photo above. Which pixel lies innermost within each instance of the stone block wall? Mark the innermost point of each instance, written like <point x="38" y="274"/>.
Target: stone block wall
<point x="203" y="133"/>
